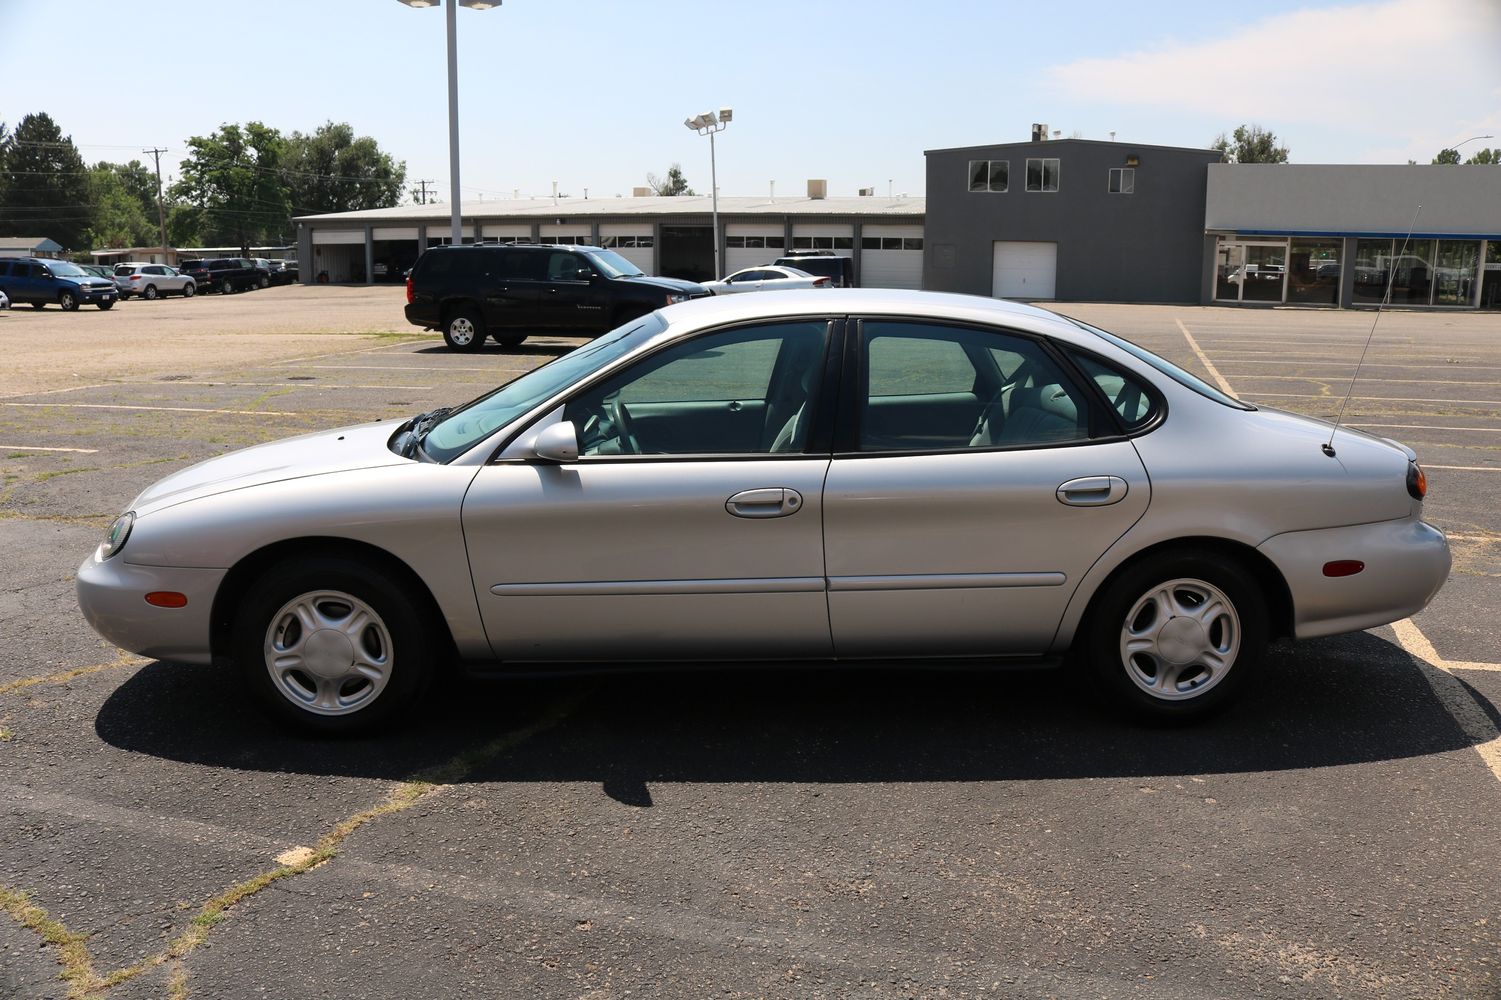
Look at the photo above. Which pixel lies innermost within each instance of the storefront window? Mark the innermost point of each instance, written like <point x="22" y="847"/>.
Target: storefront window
<point x="1313" y="271"/>
<point x="1230" y="259"/>
<point x="1265" y="267"/>
<point x="1490" y="289"/>
<point x="1454" y="272"/>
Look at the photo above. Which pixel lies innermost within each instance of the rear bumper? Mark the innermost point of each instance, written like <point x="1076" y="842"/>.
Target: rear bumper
<point x="112" y="595"/>
<point x="1406" y="562"/>
<point x="422" y="314"/>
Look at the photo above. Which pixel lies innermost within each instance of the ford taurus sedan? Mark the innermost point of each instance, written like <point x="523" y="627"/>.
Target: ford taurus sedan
<point x="850" y="476"/>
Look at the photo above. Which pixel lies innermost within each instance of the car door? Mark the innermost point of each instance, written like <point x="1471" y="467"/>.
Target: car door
<point x="510" y="285"/>
<point x="24" y="283"/>
<point x="572" y="298"/>
<point x="660" y="542"/>
<point x="975" y="482"/>
<point x="165" y="280"/>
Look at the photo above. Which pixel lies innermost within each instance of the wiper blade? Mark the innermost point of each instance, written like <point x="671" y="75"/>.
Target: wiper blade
<point x="409" y="436"/>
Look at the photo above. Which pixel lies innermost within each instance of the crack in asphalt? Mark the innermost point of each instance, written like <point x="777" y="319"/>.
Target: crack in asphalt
<point x="124" y="659"/>
<point x="85" y="982"/>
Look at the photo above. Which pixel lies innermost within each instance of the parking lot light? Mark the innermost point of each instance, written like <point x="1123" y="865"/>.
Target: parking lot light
<point x="708" y="124"/>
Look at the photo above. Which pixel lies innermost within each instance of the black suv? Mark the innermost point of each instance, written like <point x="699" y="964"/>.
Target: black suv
<point x="508" y="291"/>
<point x="224" y="274"/>
<point x="824" y="264"/>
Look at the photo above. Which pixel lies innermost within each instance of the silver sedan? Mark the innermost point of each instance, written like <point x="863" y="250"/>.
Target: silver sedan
<point x="767" y="278"/>
<point x="851" y="475"/>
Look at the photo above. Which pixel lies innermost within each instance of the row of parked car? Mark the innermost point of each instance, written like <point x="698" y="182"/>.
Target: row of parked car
<point x="40" y="282"/>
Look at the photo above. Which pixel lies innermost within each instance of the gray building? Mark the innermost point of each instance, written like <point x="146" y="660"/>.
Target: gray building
<point x="667" y="236"/>
<point x="1068" y="219"/>
<point x="1336" y="234"/>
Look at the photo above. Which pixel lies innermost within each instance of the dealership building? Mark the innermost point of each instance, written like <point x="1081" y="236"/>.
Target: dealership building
<point x="670" y="236"/>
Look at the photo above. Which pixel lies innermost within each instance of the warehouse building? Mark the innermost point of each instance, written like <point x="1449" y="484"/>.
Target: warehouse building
<point x="671" y="236"/>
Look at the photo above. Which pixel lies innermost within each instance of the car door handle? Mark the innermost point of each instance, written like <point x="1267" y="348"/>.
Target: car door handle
<point x="768" y="502"/>
<point x="1093" y="491"/>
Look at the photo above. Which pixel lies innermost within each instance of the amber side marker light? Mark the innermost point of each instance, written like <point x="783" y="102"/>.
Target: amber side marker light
<point x="1417" y="481"/>
<point x="167" y="599"/>
<point x="1343" y="567"/>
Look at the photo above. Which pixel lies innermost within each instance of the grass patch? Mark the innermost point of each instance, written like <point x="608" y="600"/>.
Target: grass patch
<point x="72" y="947"/>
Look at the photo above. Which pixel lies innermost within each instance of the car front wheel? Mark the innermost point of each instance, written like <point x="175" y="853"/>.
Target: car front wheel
<point x="333" y="645"/>
<point x="188" y="290"/>
<point x="464" y="330"/>
<point x="68" y="301"/>
<point x="1177" y="636"/>
<point x="149" y="293"/>
<point x="106" y="305"/>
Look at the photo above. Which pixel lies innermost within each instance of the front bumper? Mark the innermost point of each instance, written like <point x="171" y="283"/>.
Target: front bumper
<point x="1406" y="562"/>
<point x="88" y="296"/>
<point x="112" y="595"/>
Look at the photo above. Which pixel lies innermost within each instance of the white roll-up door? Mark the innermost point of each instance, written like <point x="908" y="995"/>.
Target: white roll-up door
<point x="492" y="232"/>
<point x="1025" y="270"/>
<point x="751" y="244"/>
<point x="393" y="233"/>
<point x="633" y="241"/>
<point x="565" y="234"/>
<point x="891" y="256"/>
<point x="337" y="237"/>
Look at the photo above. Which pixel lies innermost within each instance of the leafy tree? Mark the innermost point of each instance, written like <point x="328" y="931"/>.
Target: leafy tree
<point x="1483" y="157"/>
<point x="672" y="185"/>
<point x="333" y="170"/>
<point x="1447" y="156"/>
<point x="47" y="193"/>
<point x="233" y="178"/>
<point x="1251" y="144"/>
<point x="119" y="218"/>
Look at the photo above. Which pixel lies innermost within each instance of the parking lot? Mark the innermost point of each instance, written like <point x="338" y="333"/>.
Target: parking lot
<point x="738" y="834"/>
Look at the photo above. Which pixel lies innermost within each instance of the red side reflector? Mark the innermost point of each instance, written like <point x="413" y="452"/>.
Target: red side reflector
<point x="167" y="599"/>
<point x="1343" y="567"/>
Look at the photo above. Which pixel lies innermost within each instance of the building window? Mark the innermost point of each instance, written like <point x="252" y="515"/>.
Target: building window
<point x="989" y="175"/>
<point x="1122" y="180"/>
<point x="1042" y="174"/>
<point x="1313" y="271"/>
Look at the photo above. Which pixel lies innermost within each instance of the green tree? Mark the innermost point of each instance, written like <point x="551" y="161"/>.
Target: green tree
<point x="1251" y="144"/>
<point x="333" y="170"/>
<point x="47" y="193"/>
<point x="672" y="185"/>
<point x="1482" y="157"/>
<point x="119" y="218"/>
<point x="234" y="180"/>
<point x="1447" y="156"/>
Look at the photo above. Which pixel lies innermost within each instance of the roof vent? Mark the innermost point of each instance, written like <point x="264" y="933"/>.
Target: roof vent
<point x="641" y="192"/>
<point x="867" y="192"/>
<point x="818" y="190"/>
<point x="1039" y="132"/>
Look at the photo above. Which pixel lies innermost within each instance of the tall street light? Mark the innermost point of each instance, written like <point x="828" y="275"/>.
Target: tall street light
<point x="453" y="101"/>
<point x="1472" y="138"/>
<point x="708" y="124"/>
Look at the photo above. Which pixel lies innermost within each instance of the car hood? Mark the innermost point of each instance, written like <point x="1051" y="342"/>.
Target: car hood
<point x="673" y="284"/>
<point x="344" y="449"/>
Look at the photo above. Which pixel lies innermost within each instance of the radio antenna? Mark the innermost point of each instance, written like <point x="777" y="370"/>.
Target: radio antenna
<point x="1328" y="446"/>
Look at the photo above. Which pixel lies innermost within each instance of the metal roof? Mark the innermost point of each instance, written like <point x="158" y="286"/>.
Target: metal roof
<point x="574" y="208"/>
<point x="29" y="243"/>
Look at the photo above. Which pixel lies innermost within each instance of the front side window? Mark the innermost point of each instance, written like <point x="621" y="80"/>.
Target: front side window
<point x="1042" y="174"/>
<point x="747" y="391"/>
<point x="942" y="388"/>
<point x="1122" y="180"/>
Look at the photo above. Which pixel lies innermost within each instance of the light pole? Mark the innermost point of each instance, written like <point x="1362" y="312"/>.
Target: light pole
<point x="1472" y="138"/>
<point x="455" y="212"/>
<point x="708" y="124"/>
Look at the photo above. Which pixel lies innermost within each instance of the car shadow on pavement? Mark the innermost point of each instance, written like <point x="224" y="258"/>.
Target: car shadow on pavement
<point x="1346" y="700"/>
<point x="534" y="349"/>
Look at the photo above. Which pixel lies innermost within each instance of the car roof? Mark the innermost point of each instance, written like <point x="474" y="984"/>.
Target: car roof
<point x="719" y="309"/>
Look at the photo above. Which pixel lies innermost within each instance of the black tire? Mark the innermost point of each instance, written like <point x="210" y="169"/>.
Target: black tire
<point x="509" y="339"/>
<point x="68" y="300"/>
<point x="105" y="306"/>
<point x="149" y="293"/>
<point x="225" y="287"/>
<point x="412" y="649"/>
<point x="189" y="290"/>
<point x="265" y="282"/>
<point x="464" y="329"/>
<point x="1126" y="680"/>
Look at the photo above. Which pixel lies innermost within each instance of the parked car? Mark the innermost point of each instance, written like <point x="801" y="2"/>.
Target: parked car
<point x="40" y="281"/>
<point x="263" y="266"/>
<point x="767" y="278"/>
<point x="4" y="300"/>
<point x="508" y="291"/>
<point x="283" y="272"/>
<point x="151" y="280"/>
<point x="847" y="476"/>
<point x="222" y="274"/>
<point x="841" y="270"/>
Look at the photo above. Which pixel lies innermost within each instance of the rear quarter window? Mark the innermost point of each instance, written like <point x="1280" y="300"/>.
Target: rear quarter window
<point x="1130" y="398"/>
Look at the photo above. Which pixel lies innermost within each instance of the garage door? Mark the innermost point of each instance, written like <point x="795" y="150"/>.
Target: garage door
<point x="1025" y="270"/>
<point x="751" y="244"/>
<point x="891" y="257"/>
<point x="633" y="241"/>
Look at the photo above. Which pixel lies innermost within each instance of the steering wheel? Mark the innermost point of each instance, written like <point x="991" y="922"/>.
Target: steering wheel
<point x="622" y="421"/>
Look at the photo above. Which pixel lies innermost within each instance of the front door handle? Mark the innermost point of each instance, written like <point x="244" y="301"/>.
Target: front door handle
<point x="773" y="501"/>
<point x="1093" y="491"/>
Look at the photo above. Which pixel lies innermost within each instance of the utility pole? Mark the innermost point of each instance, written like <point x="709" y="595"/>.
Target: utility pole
<point x="161" y="212"/>
<point x="422" y="195"/>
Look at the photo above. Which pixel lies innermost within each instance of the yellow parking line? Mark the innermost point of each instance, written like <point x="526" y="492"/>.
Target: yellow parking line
<point x="1453" y="695"/>
<point x="1464" y="468"/>
<point x="1204" y="359"/>
<point x="1375" y="399"/>
<point x="1425" y="427"/>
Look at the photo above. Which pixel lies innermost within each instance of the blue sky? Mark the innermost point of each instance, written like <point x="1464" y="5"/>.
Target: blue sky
<point x="592" y="93"/>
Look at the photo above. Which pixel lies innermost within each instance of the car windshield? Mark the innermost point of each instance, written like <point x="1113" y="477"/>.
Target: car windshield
<point x="612" y="265"/>
<point x="460" y="430"/>
<point x="1166" y="367"/>
<point x="61" y="269"/>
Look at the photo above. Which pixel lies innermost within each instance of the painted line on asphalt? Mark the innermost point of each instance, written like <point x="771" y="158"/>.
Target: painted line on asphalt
<point x="1204" y="359"/>
<point x="1463" y="468"/>
<point x="50" y="392"/>
<point x="1346" y="378"/>
<point x="289" y="385"/>
<point x="1390" y="399"/>
<point x="1369" y="364"/>
<point x="1424" y="427"/>
<point x="24" y="447"/>
<point x="1453" y="694"/>
<point x="157" y="409"/>
<point x="409" y="368"/>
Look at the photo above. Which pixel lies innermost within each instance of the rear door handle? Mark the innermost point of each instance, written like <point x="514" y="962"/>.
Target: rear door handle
<point x="773" y="501"/>
<point x="1093" y="491"/>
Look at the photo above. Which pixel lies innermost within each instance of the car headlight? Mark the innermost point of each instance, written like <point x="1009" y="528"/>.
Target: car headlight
<point x="674" y="298"/>
<point x="118" y="534"/>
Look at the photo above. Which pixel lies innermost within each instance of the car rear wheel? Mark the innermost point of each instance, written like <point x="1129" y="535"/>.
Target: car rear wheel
<point x="67" y="300"/>
<point x="265" y="282"/>
<point x="149" y="293"/>
<point x="333" y="645"/>
<point x="463" y="330"/>
<point x="1177" y="636"/>
<point x="509" y="339"/>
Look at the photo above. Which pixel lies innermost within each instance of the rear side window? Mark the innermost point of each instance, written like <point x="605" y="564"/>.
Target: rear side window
<point x="1128" y="395"/>
<point x="123" y="269"/>
<point x="4" y="268"/>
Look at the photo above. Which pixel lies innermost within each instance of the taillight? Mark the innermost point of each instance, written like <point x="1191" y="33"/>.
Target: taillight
<point x="135" y="277"/>
<point x="1417" y="481"/>
<point x="821" y="283"/>
<point x="409" y="290"/>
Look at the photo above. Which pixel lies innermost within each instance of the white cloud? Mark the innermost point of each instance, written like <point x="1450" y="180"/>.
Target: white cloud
<point x="1410" y="73"/>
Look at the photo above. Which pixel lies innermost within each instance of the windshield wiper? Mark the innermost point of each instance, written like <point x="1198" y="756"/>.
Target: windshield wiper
<point x="414" y="431"/>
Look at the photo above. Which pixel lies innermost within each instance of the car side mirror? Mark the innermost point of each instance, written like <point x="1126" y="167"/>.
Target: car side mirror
<point x="557" y="443"/>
